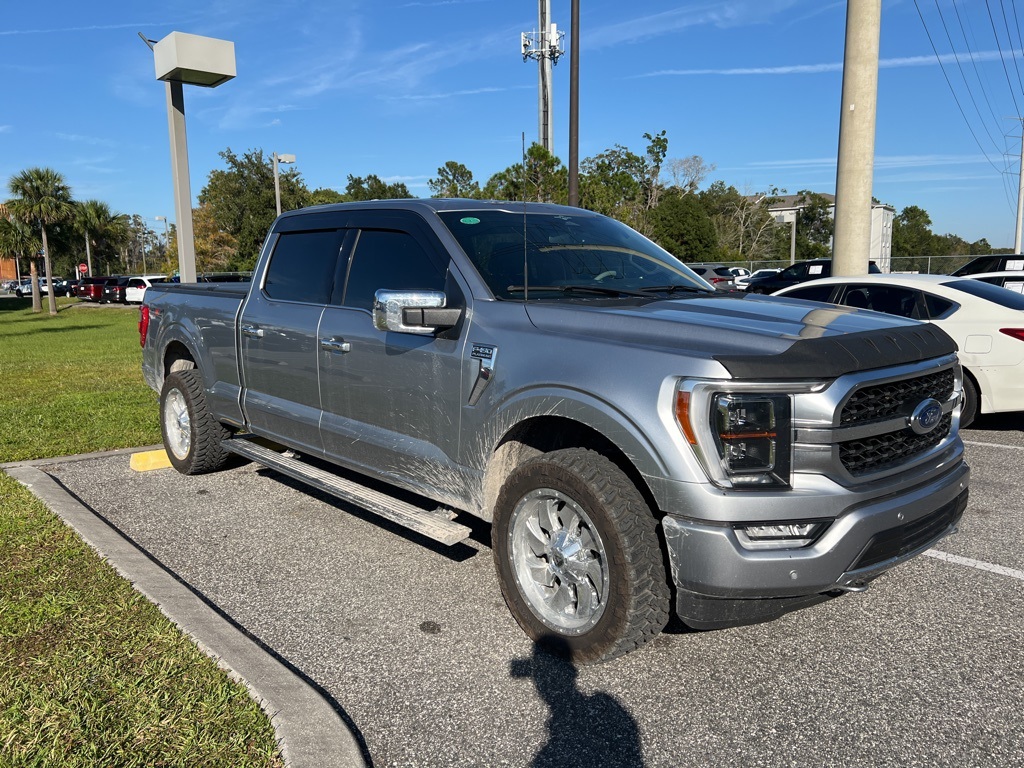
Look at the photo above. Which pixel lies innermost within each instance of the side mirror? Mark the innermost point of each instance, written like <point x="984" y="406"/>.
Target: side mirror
<point x="421" y="312"/>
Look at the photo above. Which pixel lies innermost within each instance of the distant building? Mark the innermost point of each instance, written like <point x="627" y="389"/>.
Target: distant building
<point x="786" y="208"/>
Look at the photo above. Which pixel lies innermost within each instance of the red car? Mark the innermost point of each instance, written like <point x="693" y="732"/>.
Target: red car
<point x="91" y="288"/>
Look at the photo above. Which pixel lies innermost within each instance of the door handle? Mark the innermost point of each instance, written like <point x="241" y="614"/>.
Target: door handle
<point x="335" y="345"/>
<point x="252" y="331"/>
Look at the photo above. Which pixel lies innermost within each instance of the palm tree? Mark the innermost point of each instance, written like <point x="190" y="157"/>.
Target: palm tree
<point x="16" y="240"/>
<point x="43" y="198"/>
<point x="99" y="226"/>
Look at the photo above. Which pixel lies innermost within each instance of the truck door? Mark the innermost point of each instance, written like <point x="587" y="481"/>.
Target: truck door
<point x="391" y="400"/>
<point x="278" y="342"/>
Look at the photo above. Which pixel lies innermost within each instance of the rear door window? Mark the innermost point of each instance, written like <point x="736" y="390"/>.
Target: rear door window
<point x="890" y="299"/>
<point x="1001" y="296"/>
<point x="302" y="266"/>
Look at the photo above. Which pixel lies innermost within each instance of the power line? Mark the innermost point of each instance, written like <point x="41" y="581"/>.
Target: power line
<point x="952" y="90"/>
<point x="1002" y="57"/>
<point x="956" y="57"/>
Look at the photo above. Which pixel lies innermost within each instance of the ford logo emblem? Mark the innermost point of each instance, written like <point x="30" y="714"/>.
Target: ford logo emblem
<point x="926" y="416"/>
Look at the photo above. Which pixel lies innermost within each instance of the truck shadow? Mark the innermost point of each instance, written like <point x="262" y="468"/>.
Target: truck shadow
<point x="582" y="729"/>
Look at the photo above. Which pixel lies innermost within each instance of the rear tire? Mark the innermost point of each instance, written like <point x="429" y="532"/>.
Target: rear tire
<point x="192" y="436"/>
<point x="578" y="556"/>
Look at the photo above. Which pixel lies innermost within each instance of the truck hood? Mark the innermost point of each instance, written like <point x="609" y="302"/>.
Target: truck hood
<point x="753" y="336"/>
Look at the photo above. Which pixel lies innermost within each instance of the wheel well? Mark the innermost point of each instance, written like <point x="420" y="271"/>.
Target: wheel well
<point x="551" y="433"/>
<point x="177" y="358"/>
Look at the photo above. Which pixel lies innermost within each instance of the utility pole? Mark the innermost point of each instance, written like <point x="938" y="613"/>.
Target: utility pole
<point x="1020" y="196"/>
<point x="574" y="105"/>
<point x="544" y="45"/>
<point x="852" y="238"/>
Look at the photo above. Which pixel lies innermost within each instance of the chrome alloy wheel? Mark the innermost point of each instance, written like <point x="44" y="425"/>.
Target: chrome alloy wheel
<point x="559" y="561"/>
<point x="177" y="424"/>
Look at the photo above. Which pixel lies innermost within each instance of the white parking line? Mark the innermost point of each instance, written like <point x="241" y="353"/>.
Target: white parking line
<point x="981" y="566"/>
<point x="994" y="445"/>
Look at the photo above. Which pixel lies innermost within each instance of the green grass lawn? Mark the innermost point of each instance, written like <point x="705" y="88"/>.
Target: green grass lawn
<point x="91" y="673"/>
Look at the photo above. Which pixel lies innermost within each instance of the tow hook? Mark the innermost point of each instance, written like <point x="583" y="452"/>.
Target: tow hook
<point x="856" y="586"/>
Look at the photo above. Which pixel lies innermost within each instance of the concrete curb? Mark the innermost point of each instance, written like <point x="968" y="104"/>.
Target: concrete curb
<point x="311" y="732"/>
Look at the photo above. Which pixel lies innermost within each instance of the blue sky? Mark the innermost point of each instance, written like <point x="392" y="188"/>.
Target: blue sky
<point x="398" y="87"/>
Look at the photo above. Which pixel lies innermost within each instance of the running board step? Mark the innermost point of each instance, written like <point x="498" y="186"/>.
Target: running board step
<point x="434" y="524"/>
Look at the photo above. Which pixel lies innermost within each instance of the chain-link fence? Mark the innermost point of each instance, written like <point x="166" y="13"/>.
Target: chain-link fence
<point x="932" y="265"/>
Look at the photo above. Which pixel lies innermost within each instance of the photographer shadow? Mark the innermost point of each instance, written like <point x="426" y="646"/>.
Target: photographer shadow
<point x="583" y="729"/>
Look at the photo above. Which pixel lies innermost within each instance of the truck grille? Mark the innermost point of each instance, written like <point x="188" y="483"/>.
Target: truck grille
<point x="882" y="401"/>
<point x="878" y="452"/>
<point x="878" y="402"/>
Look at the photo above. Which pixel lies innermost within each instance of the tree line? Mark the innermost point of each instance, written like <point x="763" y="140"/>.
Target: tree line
<point x="664" y="198"/>
<point x="41" y="225"/>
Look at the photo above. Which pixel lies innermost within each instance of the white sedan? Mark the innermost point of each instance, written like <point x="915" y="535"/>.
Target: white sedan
<point x="985" y="321"/>
<point x="135" y="289"/>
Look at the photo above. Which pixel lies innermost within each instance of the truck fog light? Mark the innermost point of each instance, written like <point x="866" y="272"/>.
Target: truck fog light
<point x="778" y="535"/>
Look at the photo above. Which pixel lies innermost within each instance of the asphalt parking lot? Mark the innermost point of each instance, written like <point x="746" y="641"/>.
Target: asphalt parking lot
<point x="413" y="642"/>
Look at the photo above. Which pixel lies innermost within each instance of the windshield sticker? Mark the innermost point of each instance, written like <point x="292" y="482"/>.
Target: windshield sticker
<point x="814" y="269"/>
<point x="470" y="220"/>
<point x="1014" y="264"/>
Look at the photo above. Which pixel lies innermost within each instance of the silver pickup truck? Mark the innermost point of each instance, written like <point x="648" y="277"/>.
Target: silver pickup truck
<point x="638" y="441"/>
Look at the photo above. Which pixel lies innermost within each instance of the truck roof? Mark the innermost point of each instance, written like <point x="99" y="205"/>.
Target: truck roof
<point x="436" y="204"/>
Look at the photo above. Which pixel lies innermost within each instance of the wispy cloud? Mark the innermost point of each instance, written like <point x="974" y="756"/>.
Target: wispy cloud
<point x="456" y="94"/>
<point x="882" y="162"/>
<point x="438" y="3"/>
<point x="94" y="164"/>
<point x="731" y="13"/>
<point x="6" y="128"/>
<point x="95" y="141"/>
<point x="243" y="111"/>
<point x="88" y="28"/>
<point x="837" y="66"/>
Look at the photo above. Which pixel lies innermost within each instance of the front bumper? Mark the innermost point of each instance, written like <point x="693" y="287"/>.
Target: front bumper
<point x="719" y="583"/>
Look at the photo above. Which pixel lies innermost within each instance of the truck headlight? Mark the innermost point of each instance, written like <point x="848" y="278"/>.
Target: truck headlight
<point x="742" y="438"/>
<point x="752" y="437"/>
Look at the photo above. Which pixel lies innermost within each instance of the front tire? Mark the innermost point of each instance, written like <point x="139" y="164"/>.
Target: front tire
<point x="578" y="556"/>
<point x="192" y="436"/>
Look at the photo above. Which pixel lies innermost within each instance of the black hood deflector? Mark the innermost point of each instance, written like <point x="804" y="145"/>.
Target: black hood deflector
<point x="832" y="356"/>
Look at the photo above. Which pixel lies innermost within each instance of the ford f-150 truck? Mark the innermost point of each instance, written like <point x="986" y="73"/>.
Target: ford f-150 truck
<point x="638" y="441"/>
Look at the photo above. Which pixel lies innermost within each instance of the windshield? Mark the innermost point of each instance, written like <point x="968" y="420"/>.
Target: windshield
<point x="566" y="255"/>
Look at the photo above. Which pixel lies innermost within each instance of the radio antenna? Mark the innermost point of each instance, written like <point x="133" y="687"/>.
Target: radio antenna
<point x="526" y="271"/>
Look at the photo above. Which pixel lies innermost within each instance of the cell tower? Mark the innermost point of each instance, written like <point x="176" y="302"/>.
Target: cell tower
<point x="546" y="47"/>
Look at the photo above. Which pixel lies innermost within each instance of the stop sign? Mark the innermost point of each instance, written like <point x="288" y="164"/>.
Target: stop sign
<point x="82" y="269"/>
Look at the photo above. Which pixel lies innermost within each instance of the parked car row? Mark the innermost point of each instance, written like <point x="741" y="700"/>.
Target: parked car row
<point x="119" y="289"/>
<point x="22" y="288"/>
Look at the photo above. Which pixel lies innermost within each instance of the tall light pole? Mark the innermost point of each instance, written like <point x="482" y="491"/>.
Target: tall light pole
<point x="277" y="179"/>
<point x="180" y="58"/>
<point x="167" y="232"/>
<point x="574" y="104"/>
<point x="167" y="235"/>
